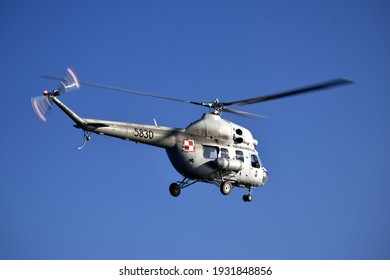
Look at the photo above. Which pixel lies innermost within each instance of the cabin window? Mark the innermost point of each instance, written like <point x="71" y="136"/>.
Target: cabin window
<point x="240" y="155"/>
<point x="224" y="153"/>
<point x="210" y="152"/>
<point x="255" y="161"/>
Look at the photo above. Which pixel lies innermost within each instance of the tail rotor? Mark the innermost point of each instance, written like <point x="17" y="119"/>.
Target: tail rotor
<point x="43" y="104"/>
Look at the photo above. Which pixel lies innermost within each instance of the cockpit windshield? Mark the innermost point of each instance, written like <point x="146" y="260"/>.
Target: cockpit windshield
<point x="255" y="162"/>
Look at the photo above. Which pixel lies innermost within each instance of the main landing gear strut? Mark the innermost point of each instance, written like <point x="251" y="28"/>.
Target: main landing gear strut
<point x="175" y="188"/>
<point x="225" y="188"/>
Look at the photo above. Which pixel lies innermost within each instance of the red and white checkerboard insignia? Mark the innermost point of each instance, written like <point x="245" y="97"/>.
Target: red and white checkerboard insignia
<point x="188" y="145"/>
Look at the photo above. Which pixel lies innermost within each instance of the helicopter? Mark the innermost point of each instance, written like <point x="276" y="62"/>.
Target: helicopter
<point x="211" y="149"/>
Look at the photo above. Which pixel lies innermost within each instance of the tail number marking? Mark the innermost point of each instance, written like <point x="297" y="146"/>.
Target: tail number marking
<point x="143" y="133"/>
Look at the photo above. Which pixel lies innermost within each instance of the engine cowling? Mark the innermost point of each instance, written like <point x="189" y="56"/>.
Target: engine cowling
<point x="228" y="164"/>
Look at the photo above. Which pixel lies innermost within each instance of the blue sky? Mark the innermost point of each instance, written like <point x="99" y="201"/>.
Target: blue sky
<point x="327" y="153"/>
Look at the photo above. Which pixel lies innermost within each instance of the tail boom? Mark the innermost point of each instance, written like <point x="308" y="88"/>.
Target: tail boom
<point x="79" y="121"/>
<point x="159" y="136"/>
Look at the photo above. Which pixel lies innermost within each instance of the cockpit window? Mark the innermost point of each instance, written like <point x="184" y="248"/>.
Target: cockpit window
<point x="210" y="152"/>
<point x="255" y="161"/>
<point x="240" y="155"/>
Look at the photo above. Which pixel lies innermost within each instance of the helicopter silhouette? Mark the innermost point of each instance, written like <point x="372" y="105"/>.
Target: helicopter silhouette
<point x="210" y="150"/>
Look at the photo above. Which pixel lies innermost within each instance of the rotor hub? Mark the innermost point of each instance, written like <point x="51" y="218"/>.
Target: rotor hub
<point x="216" y="106"/>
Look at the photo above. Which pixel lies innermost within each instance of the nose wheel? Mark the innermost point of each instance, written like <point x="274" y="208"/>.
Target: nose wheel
<point x="248" y="197"/>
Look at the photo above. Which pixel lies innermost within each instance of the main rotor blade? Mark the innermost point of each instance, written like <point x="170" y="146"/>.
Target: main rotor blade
<point x="135" y="92"/>
<point x="125" y="90"/>
<point x="244" y="114"/>
<point x="321" y="86"/>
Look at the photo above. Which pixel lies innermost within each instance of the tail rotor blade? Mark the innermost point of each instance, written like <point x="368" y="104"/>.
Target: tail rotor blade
<point x="41" y="106"/>
<point x="70" y="82"/>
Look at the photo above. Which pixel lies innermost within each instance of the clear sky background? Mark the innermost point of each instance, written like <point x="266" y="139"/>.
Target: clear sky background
<point x="327" y="153"/>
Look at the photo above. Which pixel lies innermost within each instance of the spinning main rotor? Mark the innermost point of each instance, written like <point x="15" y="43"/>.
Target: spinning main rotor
<point x="42" y="104"/>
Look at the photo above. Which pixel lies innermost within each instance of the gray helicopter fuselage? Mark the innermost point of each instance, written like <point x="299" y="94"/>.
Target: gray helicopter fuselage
<point x="214" y="149"/>
<point x="210" y="149"/>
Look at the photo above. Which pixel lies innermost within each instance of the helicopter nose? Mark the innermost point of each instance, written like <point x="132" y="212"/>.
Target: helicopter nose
<point x="265" y="175"/>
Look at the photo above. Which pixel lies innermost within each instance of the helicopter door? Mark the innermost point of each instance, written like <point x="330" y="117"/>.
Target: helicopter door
<point x="240" y="155"/>
<point x="244" y="173"/>
<point x="224" y="153"/>
<point x="255" y="169"/>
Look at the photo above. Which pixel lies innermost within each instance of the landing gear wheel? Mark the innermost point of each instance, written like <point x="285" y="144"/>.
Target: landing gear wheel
<point x="174" y="189"/>
<point x="247" y="198"/>
<point x="226" y="188"/>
